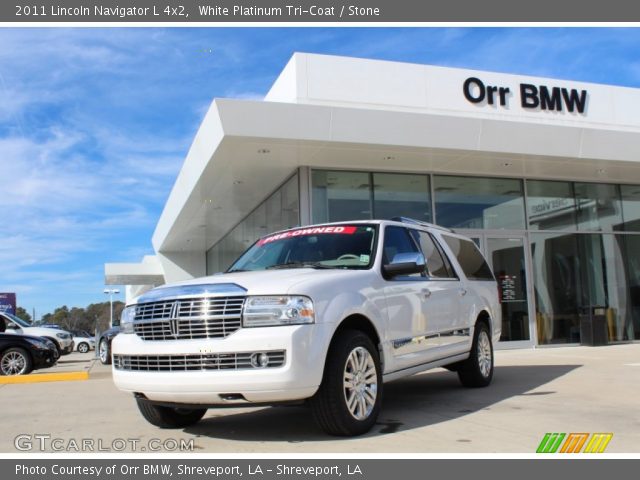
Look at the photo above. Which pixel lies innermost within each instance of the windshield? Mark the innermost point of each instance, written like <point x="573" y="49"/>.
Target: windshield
<point x="19" y="321"/>
<point x="331" y="246"/>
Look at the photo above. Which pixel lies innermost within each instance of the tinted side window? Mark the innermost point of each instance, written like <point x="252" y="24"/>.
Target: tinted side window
<point x="438" y="264"/>
<point x="470" y="259"/>
<point x="396" y="240"/>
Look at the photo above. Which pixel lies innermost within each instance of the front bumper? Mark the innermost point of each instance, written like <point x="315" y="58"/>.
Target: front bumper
<point x="44" y="358"/>
<point x="305" y="348"/>
<point x="67" y="349"/>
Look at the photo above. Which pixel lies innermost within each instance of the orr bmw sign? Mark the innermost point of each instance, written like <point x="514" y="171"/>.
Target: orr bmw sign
<point x="532" y="97"/>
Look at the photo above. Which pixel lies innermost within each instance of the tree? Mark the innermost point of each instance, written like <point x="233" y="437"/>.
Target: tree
<point x="96" y="315"/>
<point x="23" y="314"/>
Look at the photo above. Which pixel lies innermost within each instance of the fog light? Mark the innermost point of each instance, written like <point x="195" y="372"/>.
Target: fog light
<point x="259" y="360"/>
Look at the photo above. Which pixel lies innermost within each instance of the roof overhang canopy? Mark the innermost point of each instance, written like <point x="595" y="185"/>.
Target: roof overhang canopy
<point x="148" y="272"/>
<point x="245" y="149"/>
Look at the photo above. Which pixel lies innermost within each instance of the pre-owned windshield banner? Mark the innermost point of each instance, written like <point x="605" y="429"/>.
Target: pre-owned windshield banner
<point x="331" y="229"/>
<point x="317" y="11"/>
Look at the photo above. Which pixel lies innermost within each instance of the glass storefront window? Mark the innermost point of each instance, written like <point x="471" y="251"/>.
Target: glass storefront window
<point x="470" y="202"/>
<point x="290" y="204"/>
<point x="605" y="305"/>
<point x="401" y="195"/>
<point x="338" y="196"/>
<point x="632" y="275"/>
<point x="556" y="280"/>
<point x="279" y="211"/>
<point x="630" y="207"/>
<point x="586" y="287"/>
<point x="598" y="206"/>
<point x="551" y="205"/>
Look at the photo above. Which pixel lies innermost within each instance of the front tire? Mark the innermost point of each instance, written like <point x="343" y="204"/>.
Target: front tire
<point x="104" y="352"/>
<point x="15" y="361"/>
<point x="350" y="395"/>
<point x="83" y="347"/>
<point x="477" y="370"/>
<point x="169" y="417"/>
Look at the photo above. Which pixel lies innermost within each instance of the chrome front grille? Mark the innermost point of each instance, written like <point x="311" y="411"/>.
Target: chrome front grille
<point x="185" y="319"/>
<point x="195" y="362"/>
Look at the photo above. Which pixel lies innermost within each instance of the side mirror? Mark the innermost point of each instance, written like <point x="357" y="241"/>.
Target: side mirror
<point x="12" y="326"/>
<point x="405" y="264"/>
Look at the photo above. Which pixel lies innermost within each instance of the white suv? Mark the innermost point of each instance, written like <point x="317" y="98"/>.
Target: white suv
<point x="15" y="325"/>
<point x="325" y="313"/>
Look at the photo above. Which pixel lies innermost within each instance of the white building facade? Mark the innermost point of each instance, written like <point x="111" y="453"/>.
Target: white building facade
<point x="543" y="174"/>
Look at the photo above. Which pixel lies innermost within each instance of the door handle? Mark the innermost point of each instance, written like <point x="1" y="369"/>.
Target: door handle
<point x="462" y="292"/>
<point x="426" y="293"/>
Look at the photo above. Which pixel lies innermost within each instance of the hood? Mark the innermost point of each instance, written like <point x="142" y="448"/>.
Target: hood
<point x="42" y="331"/>
<point x="41" y="339"/>
<point x="25" y="337"/>
<point x="263" y="282"/>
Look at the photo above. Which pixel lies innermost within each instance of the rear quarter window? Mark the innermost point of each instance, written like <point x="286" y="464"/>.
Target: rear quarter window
<point x="470" y="259"/>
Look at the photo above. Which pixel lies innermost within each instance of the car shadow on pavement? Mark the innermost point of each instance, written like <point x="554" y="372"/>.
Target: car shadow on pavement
<point x="413" y="402"/>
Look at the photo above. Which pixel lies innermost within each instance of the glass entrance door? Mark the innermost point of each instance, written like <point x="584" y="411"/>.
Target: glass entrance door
<point x="508" y="261"/>
<point x="507" y="256"/>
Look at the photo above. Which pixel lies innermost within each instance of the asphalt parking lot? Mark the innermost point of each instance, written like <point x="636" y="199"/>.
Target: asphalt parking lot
<point x="568" y="389"/>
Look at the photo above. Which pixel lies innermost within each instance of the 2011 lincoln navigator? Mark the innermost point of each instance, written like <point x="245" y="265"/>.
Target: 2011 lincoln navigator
<point x="324" y="313"/>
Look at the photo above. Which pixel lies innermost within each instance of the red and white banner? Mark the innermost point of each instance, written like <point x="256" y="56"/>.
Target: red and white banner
<point x="341" y="229"/>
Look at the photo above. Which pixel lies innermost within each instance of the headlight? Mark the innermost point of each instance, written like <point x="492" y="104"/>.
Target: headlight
<point x="38" y="344"/>
<point x="282" y="310"/>
<point x="126" y="320"/>
<point x="63" y="336"/>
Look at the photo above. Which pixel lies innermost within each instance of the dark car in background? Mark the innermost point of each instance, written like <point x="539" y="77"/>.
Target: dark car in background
<point x="21" y="354"/>
<point x="104" y="344"/>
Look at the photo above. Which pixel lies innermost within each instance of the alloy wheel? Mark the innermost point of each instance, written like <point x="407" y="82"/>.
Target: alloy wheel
<point x="484" y="354"/>
<point x="13" y="363"/>
<point x="104" y="351"/>
<point x="360" y="382"/>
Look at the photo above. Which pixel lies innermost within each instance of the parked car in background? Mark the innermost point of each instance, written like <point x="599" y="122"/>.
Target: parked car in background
<point x="82" y="333"/>
<point x="104" y="344"/>
<point x="324" y="314"/>
<point x="21" y="354"/>
<point x="62" y="339"/>
<point x="83" y="341"/>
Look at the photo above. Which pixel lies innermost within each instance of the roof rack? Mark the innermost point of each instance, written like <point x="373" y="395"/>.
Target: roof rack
<point x="413" y="221"/>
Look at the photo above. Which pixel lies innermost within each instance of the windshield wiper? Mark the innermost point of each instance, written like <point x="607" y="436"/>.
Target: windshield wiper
<point x="317" y="265"/>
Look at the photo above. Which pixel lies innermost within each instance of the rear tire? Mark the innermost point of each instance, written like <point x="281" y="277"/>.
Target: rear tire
<point x="350" y="395"/>
<point x="477" y="370"/>
<point x="83" y="347"/>
<point x="15" y="361"/>
<point x="169" y="417"/>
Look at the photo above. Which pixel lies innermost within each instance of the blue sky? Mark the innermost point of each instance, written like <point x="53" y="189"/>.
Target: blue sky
<point x="95" y="123"/>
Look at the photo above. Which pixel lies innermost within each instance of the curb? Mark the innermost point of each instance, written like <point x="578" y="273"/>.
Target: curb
<point x="45" y="377"/>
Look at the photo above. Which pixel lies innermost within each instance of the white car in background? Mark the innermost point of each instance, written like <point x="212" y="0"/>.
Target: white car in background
<point x="83" y="341"/>
<point x="325" y="313"/>
<point x="14" y="325"/>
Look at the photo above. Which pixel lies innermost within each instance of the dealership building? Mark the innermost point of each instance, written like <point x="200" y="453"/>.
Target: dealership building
<point x="543" y="174"/>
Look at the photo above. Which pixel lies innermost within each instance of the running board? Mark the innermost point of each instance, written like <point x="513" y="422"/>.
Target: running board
<point x="388" y="377"/>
